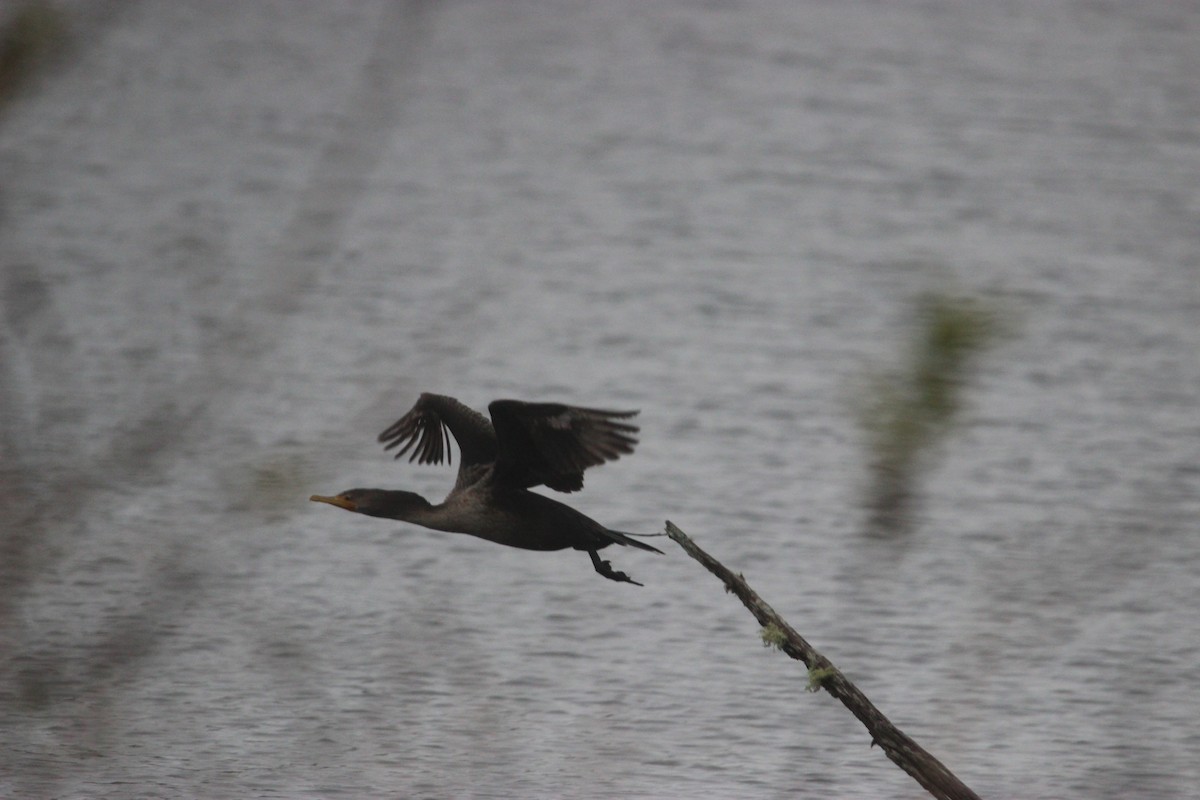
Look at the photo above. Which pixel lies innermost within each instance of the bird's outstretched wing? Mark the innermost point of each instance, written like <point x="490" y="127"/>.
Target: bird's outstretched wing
<point x="426" y="430"/>
<point x="552" y="444"/>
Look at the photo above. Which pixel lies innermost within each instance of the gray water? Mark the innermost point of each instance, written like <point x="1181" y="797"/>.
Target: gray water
<point x="238" y="239"/>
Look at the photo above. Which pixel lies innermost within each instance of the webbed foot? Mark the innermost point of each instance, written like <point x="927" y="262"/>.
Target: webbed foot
<point x="605" y="568"/>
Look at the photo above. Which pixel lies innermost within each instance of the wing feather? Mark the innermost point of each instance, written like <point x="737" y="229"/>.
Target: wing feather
<point x="424" y="433"/>
<point x="553" y="444"/>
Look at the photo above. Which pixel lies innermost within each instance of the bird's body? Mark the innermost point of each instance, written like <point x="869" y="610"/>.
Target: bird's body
<point x="525" y="445"/>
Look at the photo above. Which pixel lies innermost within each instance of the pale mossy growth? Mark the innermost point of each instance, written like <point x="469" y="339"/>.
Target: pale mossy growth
<point x="906" y="411"/>
<point x="773" y="636"/>
<point x="817" y="675"/>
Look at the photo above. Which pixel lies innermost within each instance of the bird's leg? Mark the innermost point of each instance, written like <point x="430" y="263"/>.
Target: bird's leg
<point x="605" y="569"/>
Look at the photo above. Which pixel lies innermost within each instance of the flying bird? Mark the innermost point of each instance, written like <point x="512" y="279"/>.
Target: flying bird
<point x="524" y="445"/>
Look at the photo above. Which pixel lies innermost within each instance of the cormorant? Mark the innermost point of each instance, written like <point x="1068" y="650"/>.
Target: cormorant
<point x="525" y="445"/>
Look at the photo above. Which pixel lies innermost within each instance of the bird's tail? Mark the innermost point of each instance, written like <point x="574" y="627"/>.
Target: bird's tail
<point x="621" y="537"/>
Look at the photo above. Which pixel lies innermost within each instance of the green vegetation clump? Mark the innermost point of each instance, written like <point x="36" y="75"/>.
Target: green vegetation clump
<point x="908" y="410"/>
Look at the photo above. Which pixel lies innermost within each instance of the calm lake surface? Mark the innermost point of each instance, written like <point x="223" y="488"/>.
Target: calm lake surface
<point x="239" y="239"/>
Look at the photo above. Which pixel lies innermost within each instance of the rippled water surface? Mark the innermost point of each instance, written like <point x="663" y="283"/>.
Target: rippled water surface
<point x="238" y="240"/>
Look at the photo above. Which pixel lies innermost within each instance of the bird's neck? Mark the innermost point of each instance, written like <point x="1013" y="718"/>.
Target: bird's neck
<point x="426" y="514"/>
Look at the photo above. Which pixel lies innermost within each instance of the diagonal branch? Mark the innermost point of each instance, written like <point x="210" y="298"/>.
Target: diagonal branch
<point x="937" y="779"/>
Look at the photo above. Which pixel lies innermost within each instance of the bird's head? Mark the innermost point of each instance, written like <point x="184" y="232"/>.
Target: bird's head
<point x="376" y="502"/>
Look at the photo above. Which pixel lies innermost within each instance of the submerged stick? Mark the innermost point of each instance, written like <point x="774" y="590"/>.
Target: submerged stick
<point x="937" y="779"/>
